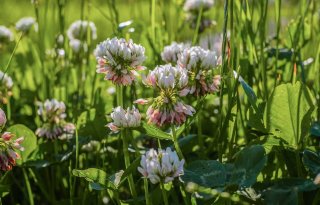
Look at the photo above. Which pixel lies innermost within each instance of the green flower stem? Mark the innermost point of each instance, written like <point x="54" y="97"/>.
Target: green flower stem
<point x="184" y="195"/>
<point x="127" y="163"/>
<point x="119" y="89"/>
<point x="175" y="142"/>
<point x="196" y="31"/>
<point x="164" y="194"/>
<point x="199" y="126"/>
<point x="29" y="190"/>
<point x="146" y="191"/>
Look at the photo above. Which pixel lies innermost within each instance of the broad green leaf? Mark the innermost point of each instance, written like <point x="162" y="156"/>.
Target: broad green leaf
<point x="155" y="132"/>
<point x="248" y="164"/>
<point x="42" y="163"/>
<point x="92" y="175"/>
<point x="285" y="191"/>
<point x="269" y="141"/>
<point x="288" y="112"/>
<point x="29" y="143"/>
<point x="207" y="173"/>
<point x="98" y="178"/>
<point x="312" y="161"/>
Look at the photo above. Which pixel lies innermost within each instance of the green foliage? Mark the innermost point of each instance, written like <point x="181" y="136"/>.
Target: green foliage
<point x="288" y="113"/>
<point x="29" y="143"/>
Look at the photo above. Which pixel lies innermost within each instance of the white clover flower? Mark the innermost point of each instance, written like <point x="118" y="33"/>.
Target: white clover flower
<point x="196" y="58"/>
<point x="167" y="76"/>
<point x="52" y="113"/>
<point x="162" y="166"/>
<point x="124" y="118"/>
<point x="75" y="45"/>
<point x="200" y="65"/>
<point x="5" y="80"/>
<point x="119" y="60"/>
<point x="111" y="90"/>
<point x="93" y="145"/>
<point x="168" y="108"/>
<point x="5" y="35"/>
<point x="171" y="52"/>
<point x="24" y="24"/>
<point x="80" y="29"/>
<point x="3" y="118"/>
<point x="195" y="5"/>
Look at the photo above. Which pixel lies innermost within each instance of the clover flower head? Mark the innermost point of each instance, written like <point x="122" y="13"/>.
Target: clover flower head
<point x="119" y="60"/>
<point x="6" y="84"/>
<point x="124" y="118"/>
<point x="75" y="45"/>
<point x="8" y="147"/>
<point x="167" y="77"/>
<point x="171" y="52"/>
<point x="52" y="113"/>
<point x="3" y="118"/>
<point x="195" y="5"/>
<point x="168" y="108"/>
<point x="161" y="166"/>
<point x="5" y="35"/>
<point x="80" y="30"/>
<point x="200" y="65"/>
<point x="160" y="113"/>
<point x="25" y="24"/>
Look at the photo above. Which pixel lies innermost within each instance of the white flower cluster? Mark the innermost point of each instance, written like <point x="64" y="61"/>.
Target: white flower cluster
<point x="5" y="81"/>
<point x="119" y="60"/>
<point x="54" y="125"/>
<point x="24" y="24"/>
<point x="200" y="65"/>
<point x="162" y="166"/>
<point x="171" y="52"/>
<point x="124" y="118"/>
<point x="212" y="42"/>
<point x="167" y="76"/>
<point x="5" y="35"/>
<point x="195" y="5"/>
<point x="78" y="31"/>
<point x="52" y="110"/>
<point x="196" y="58"/>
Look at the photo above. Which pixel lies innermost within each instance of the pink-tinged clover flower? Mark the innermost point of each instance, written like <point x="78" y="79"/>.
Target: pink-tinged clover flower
<point x="161" y="166"/>
<point x="168" y="108"/>
<point x="124" y="118"/>
<point x="119" y="60"/>
<point x="8" y="147"/>
<point x="200" y="65"/>
<point x="6" y="85"/>
<point x="52" y="114"/>
<point x="171" y="52"/>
